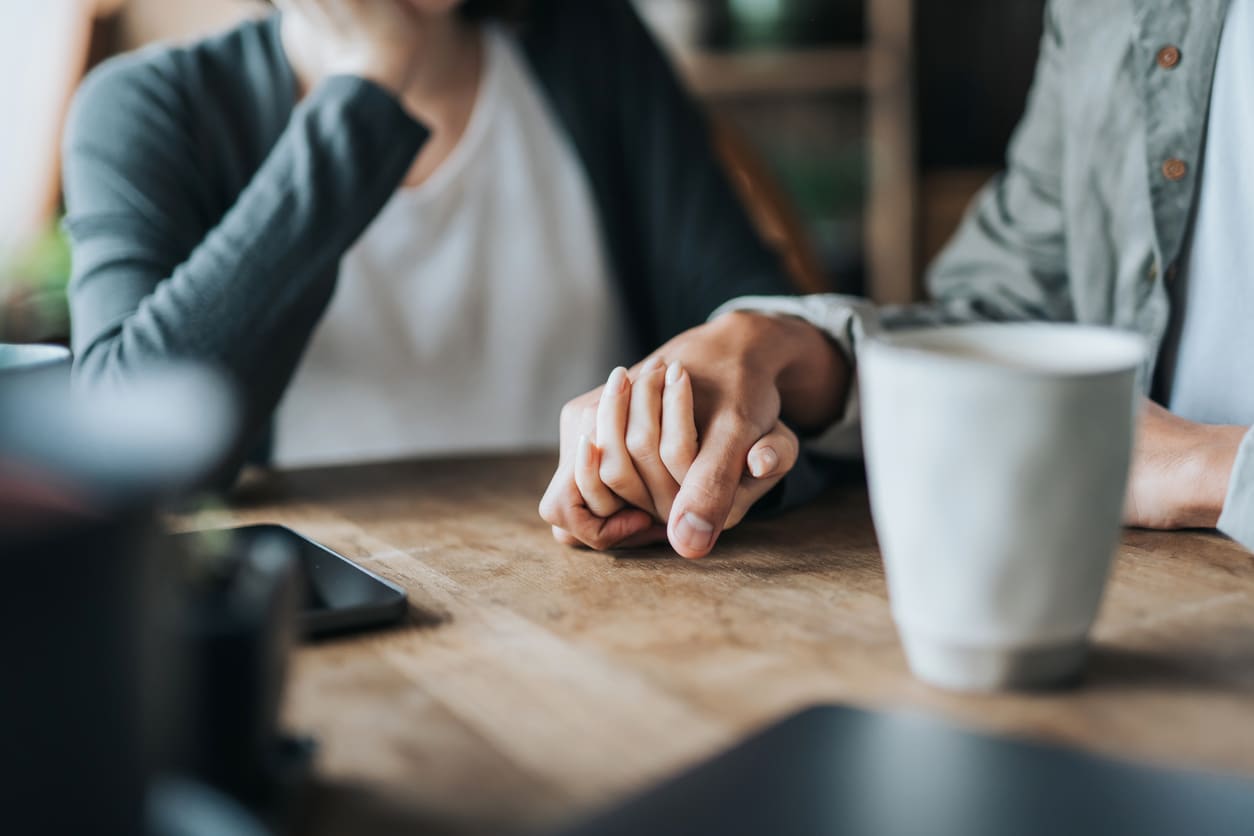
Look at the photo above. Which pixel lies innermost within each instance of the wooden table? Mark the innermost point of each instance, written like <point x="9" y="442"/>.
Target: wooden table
<point x="535" y="682"/>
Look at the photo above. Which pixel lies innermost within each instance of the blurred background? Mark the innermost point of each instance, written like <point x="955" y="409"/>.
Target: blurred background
<point x="857" y="130"/>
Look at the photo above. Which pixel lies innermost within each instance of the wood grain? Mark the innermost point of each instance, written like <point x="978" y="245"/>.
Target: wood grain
<point x="535" y="682"/>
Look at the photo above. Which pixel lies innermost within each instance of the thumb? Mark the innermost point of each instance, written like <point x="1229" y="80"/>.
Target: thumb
<point x="705" y="498"/>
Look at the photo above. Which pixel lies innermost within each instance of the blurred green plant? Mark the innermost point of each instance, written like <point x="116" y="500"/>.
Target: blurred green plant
<point x="33" y="280"/>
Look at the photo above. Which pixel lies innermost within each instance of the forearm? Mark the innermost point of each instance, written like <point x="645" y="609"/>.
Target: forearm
<point x="337" y="162"/>
<point x="246" y="295"/>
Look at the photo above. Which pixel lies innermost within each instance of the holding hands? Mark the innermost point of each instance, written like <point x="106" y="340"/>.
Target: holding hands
<point x="684" y="444"/>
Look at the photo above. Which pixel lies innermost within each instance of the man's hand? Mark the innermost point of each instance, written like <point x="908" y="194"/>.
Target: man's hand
<point x="1180" y="471"/>
<point x="745" y="370"/>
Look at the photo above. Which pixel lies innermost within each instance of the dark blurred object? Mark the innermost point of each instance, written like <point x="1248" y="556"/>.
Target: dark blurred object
<point x="336" y="596"/>
<point x="78" y="629"/>
<point x="756" y="23"/>
<point x="975" y="64"/>
<point x="238" y="627"/>
<point x="92" y="709"/>
<point x="841" y="770"/>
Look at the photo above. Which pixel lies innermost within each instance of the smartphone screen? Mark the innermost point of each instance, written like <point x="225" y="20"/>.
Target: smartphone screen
<point x="339" y="596"/>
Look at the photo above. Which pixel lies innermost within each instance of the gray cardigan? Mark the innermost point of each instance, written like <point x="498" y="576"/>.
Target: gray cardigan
<point x="208" y="210"/>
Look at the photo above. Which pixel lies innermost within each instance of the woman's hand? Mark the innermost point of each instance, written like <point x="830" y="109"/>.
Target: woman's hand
<point x="378" y="40"/>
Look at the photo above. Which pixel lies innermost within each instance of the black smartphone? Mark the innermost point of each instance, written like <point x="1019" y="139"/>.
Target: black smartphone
<point x="339" y="596"/>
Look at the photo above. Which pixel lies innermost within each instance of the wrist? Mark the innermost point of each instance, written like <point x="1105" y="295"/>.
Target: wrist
<point x="1216" y="457"/>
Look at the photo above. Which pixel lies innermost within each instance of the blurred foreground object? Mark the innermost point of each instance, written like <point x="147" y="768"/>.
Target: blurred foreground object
<point x="834" y="770"/>
<point x="104" y="651"/>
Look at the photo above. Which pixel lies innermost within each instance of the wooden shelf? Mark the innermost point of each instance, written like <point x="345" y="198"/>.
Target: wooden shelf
<point x="773" y="72"/>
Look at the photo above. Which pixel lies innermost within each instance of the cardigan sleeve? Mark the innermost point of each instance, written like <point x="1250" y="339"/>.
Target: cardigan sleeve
<point x="160" y="274"/>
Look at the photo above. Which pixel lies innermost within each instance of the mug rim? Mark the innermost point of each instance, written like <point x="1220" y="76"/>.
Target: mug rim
<point x="30" y="356"/>
<point x="942" y="345"/>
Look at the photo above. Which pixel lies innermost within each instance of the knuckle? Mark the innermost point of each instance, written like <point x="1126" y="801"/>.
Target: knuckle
<point x="642" y="445"/>
<point x="737" y="422"/>
<point x="599" y="541"/>
<point x="614" y="475"/>
<point x="677" y="453"/>
<point x="564" y="537"/>
<point x="549" y="509"/>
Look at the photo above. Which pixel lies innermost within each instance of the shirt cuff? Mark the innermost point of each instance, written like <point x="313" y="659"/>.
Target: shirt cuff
<point x="846" y="320"/>
<point x="1237" y="519"/>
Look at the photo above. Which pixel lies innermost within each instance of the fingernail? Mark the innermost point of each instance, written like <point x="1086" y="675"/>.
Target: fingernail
<point x="673" y="372"/>
<point x="617" y="381"/>
<point x="694" y="533"/>
<point x="764" y="461"/>
<point x="653" y="363"/>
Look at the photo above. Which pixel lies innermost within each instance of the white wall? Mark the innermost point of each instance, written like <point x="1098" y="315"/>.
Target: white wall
<point x="42" y="49"/>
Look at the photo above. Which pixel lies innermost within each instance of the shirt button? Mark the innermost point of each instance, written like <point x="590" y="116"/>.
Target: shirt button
<point x="1168" y="57"/>
<point x="1175" y="169"/>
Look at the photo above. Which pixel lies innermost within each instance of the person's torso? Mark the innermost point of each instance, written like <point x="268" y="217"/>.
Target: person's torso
<point x="473" y="307"/>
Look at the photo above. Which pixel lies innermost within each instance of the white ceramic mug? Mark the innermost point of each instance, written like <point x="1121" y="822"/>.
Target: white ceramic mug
<point x="997" y="459"/>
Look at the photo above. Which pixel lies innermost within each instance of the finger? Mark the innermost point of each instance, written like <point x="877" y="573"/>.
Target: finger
<point x="617" y="471"/>
<point x="612" y="532"/>
<point x="563" y="508"/>
<point x="651" y="536"/>
<point x="564" y="537"/>
<point x="705" y="498"/>
<point x="644" y="435"/>
<point x="774" y="454"/>
<point x="599" y="499"/>
<point x="781" y="445"/>
<point x="678" y="444"/>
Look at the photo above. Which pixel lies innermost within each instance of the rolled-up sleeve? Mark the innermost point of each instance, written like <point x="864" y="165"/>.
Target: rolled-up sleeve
<point x="1237" y="519"/>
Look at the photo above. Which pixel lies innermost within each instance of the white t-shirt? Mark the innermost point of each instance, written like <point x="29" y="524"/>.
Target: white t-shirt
<point x="1215" y="301"/>
<point x="473" y="307"/>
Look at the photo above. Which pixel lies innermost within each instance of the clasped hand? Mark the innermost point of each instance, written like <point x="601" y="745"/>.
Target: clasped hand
<point x="678" y="448"/>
